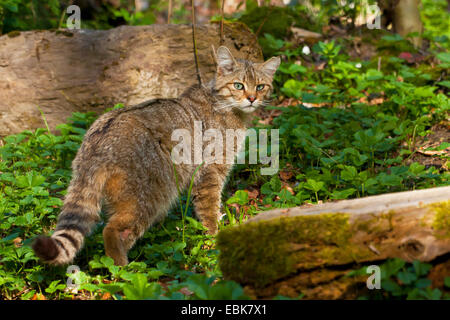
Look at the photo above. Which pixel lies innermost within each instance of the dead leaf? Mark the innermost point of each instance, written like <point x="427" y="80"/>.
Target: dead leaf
<point x="326" y="28"/>
<point x="17" y="242"/>
<point x="288" y="188"/>
<point x="254" y="203"/>
<point x="286" y="173"/>
<point x="186" y="291"/>
<point x="337" y="30"/>
<point x="376" y="101"/>
<point x="305" y="34"/>
<point x="320" y="66"/>
<point x="433" y="140"/>
<point x="106" y="296"/>
<point x="289" y="102"/>
<point x="299" y="32"/>
<point x="253" y="194"/>
<point x="38" y="296"/>
<point x="313" y="105"/>
<point x="236" y="206"/>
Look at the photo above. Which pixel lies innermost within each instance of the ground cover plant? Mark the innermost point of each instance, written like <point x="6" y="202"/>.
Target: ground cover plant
<point x="349" y="128"/>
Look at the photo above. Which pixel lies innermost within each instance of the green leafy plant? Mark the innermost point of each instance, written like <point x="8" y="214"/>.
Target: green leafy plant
<point x="400" y="280"/>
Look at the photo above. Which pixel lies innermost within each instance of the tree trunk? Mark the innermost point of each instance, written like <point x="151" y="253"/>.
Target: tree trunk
<point x="407" y="19"/>
<point x="65" y="71"/>
<point x="310" y="249"/>
<point x="404" y="16"/>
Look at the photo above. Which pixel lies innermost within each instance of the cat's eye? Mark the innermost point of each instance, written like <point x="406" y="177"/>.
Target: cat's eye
<point x="259" y="87"/>
<point x="238" y="85"/>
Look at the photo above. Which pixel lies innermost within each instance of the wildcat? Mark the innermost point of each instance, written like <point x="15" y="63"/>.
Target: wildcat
<point x="124" y="162"/>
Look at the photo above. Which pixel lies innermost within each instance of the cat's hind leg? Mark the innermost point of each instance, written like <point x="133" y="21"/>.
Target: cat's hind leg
<point x="119" y="236"/>
<point x="126" y="221"/>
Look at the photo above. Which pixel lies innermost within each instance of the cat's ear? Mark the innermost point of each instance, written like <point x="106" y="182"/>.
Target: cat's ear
<point x="225" y="61"/>
<point x="270" y="66"/>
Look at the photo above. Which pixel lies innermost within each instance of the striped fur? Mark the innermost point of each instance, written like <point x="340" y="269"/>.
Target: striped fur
<point x="125" y="162"/>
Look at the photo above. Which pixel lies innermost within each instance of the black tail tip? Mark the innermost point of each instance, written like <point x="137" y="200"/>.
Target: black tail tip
<point x="45" y="248"/>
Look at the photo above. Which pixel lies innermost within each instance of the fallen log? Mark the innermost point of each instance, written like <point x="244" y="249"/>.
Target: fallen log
<point x="63" y="71"/>
<point x="310" y="249"/>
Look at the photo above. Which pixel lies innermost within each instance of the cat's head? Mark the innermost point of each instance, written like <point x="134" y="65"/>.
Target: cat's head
<point x="243" y="84"/>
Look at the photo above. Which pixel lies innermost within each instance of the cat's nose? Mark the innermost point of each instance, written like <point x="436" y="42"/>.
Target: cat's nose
<point x="251" y="98"/>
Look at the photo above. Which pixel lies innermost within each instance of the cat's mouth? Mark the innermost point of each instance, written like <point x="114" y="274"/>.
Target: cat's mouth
<point x="245" y="105"/>
<point x="250" y="108"/>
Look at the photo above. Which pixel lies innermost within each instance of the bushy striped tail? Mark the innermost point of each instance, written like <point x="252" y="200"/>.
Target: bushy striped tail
<point x="60" y="248"/>
<point x="67" y="240"/>
<point x="79" y="216"/>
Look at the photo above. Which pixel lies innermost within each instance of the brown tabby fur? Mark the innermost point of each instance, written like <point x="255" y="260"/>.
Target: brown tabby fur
<point x="125" y="162"/>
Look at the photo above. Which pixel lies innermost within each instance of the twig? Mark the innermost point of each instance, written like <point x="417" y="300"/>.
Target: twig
<point x="222" y="40"/>
<point x="45" y="120"/>
<point x="61" y="19"/>
<point x="63" y="15"/>
<point x="195" y="45"/>
<point x="169" y="12"/>
<point x="259" y="29"/>
<point x="264" y="21"/>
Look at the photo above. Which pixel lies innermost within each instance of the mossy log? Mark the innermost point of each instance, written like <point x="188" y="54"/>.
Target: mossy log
<point x="63" y="71"/>
<point x="310" y="249"/>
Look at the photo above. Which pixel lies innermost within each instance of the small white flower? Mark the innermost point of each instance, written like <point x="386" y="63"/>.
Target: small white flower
<point x="358" y="65"/>
<point x="306" y="50"/>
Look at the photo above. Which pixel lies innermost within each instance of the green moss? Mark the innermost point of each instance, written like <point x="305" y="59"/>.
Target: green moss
<point x="13" y="34"/>
<point x="261" y="252"/>
<point x="376" y="224"/>
<point x="239" y="30"/>
<point x="441" y="221"/>
<point x="277" y="20"/>
<point x="64" y="32"/>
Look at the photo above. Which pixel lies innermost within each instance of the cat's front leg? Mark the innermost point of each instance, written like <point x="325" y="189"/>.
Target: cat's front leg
<point x="207" y="195"/>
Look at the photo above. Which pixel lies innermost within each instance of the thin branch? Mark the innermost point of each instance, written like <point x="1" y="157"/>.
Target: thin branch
<point x="61" y="19"/>
<point x="169" y="12"/>
<point x="195" y="45"/>
<point x="45" y="120"/>
<point x="260" y="28"/>
<point x="222" y="40"/>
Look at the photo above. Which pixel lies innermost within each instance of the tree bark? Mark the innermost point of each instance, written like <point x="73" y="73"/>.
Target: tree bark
<point x="407" y="19"/>
<point x="404" y="16"/>
<point x="65" y="71"/>
<point x="310" y="249"/>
